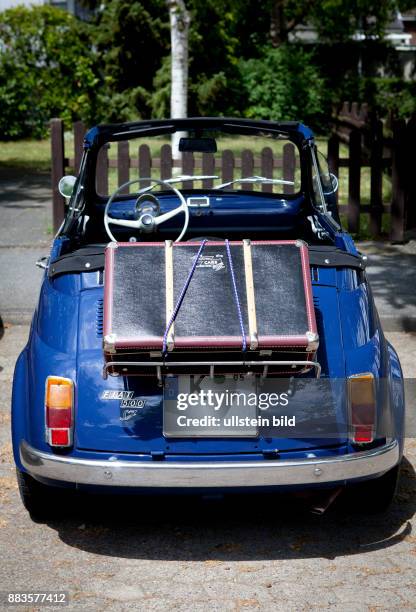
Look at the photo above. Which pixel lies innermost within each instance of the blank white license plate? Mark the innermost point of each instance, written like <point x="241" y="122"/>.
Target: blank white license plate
<point x="203" y="407"/>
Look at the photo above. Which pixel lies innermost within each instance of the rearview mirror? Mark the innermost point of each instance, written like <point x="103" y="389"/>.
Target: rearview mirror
<point x="66" y="185"/>
<point x="198" y="145"/>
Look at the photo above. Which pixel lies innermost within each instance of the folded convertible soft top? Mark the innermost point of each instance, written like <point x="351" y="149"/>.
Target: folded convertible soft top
<point x="91" y="258"/>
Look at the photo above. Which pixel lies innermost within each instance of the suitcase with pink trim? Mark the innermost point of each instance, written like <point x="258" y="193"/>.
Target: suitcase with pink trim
<point x="208" y="306"/>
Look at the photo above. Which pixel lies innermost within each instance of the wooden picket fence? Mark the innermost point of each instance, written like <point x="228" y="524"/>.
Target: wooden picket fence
<point x="364" y="135"/>
<point x="353" y="125"/>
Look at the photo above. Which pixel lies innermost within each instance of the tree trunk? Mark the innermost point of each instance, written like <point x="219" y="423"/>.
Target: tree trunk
<point x="278" y="29"/>
<point x="179" y="28"/>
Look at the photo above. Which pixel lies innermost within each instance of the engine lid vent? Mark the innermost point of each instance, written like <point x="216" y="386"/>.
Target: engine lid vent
<point x="99" y="318"/>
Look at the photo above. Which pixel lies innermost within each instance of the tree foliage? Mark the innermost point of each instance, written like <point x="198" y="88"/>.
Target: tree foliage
<point x="47" y="69"/>
<point x="131" y="39"/>
<point x="284" y="84"/>
<point x="117" y="66"/>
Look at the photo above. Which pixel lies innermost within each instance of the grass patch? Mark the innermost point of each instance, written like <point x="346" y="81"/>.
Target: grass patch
<point x="364" y="231"/>
<point x="26" y="154"/>
<point x="34" y="155"/>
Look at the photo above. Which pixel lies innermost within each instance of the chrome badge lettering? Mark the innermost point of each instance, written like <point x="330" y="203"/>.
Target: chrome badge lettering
<point x="116" y="395"/>
<point x="126" y="399"/>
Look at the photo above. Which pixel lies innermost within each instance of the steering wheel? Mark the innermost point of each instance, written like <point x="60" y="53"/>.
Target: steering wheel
<point x="146" y="222"/>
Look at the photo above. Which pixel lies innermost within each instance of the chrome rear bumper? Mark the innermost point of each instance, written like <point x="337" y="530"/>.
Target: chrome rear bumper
<point x="210" y="474"/>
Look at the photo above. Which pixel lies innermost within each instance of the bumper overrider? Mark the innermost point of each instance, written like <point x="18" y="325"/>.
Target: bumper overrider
<point x="210" y="474"/>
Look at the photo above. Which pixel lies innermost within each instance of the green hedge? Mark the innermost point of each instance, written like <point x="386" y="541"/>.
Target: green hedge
<point x="47" y="69"/>
<point x="118" y="68"/>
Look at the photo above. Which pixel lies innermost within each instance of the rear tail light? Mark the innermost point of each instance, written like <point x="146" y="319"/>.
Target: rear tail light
<point x="362" y="399"/>
<point x="59" y="404"/>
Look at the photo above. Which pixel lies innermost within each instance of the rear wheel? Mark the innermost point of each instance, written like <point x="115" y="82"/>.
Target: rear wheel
<point x="43" y="502"/>
<point x="374" y="496"/>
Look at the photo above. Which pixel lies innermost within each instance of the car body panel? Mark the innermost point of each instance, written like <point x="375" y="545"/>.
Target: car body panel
<point x="66" y="340"/>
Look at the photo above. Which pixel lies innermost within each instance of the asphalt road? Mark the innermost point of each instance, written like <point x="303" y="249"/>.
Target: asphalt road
<point x="157" y="554"/>
<point x="25" y="236"/>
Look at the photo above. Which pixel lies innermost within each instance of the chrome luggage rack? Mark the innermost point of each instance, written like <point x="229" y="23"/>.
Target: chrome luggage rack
<point x="124" y="368"/>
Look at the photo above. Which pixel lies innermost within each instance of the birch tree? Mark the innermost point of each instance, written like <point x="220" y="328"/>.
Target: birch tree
<point x="179" y="29"/>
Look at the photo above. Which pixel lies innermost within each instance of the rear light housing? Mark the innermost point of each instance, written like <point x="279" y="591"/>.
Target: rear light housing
<point x="362" y="403"/>
<point x="59" y="411"/>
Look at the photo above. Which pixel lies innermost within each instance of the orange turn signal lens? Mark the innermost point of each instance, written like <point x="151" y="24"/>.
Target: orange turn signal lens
<point x="362" y="399"/>
<point x="59" y="392"/>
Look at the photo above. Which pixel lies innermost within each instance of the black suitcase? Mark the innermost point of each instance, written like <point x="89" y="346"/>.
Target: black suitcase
<point x="214" y="306"/>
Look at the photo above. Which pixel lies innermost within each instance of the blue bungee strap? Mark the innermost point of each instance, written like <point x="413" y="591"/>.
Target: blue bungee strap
<point x="181" y="298"/>
<point x="237" y="299"/>
<point x="185" y="289"/>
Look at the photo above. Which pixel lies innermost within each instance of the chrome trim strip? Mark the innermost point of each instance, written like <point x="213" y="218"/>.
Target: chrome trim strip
<point x="161" y="474"/>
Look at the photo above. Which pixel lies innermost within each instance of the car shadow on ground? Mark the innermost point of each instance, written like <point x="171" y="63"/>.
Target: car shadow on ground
<point x="248" y="528"/>
<point x="21" y="185"/>
<point x="392" y="278"/>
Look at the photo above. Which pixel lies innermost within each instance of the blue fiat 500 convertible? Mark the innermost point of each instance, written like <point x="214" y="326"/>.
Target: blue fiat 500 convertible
<point x="205" y="326"/>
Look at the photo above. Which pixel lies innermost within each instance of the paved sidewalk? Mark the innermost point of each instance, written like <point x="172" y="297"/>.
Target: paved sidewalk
<point x="392" y="273"/>
<point x="25" y="236"/>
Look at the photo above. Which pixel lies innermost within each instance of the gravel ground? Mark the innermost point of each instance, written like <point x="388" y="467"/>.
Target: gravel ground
<point x="163" y="554"/>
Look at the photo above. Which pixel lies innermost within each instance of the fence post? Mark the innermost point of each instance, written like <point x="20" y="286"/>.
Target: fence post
<point x="354" y="181"/>
<point x="398" y="179"/>
<point x="102" y="170"/>
<point x="247" y="167"/>
<point x="166" y="162"/>
<point x="123" y="164"/>
<point x="227" y="163"/>
<point x="208" y="169"/>
<point x="188" y="165"/>
<point x="289" y="166"/>
<point x="267" y="168"/>
<point x="145" y="164"/>
<point x="411" y="187"/>
<point x="376" y="184"/>
<point x="57" y="171"/>
<point x="79" y="133"/>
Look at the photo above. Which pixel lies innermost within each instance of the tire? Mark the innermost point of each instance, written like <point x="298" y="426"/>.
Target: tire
<point x="374" y="496"/>
<point x="43" y="502"/>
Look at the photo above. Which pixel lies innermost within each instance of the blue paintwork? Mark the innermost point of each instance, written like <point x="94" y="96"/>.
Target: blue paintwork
<point x="66" y="340"/>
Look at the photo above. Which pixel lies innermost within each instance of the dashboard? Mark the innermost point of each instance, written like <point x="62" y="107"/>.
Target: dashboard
<point x="214" y="211"/>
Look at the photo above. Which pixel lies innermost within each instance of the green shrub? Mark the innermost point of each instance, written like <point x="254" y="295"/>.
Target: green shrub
<point x="392" y="95"/>
<point x="284" y="84"/>
<point x="47" y="69"/>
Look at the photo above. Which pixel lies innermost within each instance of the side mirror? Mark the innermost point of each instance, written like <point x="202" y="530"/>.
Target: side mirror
<point x="332" y="186"/>
<point x="66" y="185"/>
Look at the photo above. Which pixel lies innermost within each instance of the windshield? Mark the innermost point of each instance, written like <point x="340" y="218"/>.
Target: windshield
<point x="224" y="159"/>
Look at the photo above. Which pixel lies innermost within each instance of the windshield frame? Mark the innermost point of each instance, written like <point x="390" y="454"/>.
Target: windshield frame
<point x="85" y="198"/>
